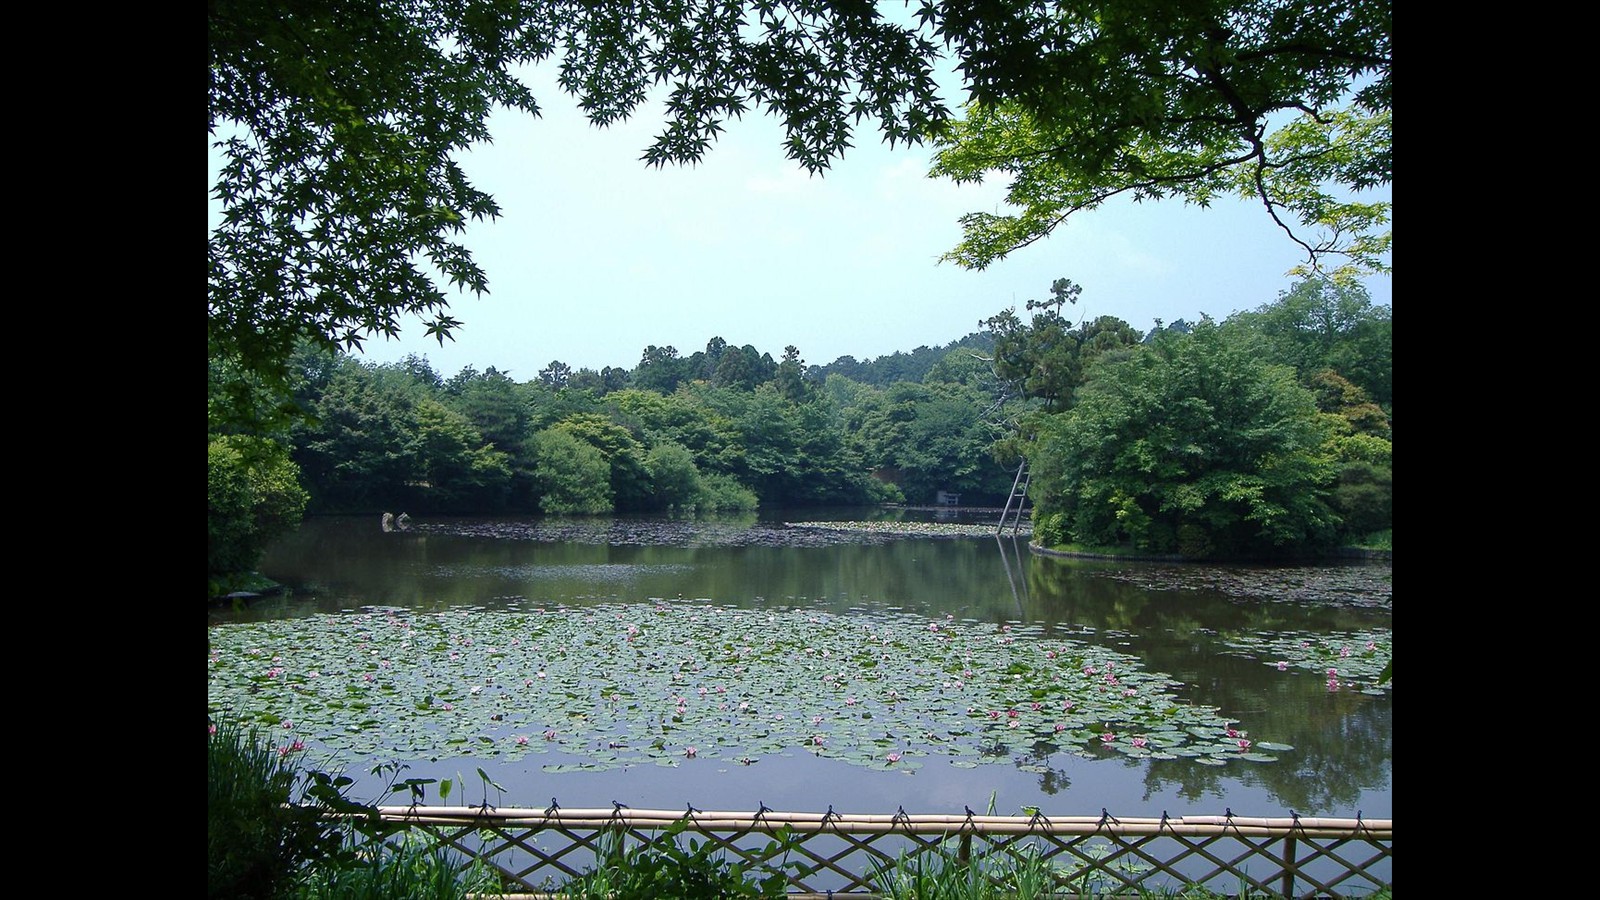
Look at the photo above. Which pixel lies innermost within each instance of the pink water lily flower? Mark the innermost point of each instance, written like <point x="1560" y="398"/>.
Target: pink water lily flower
<point x="691" y="752"/>
<point x="893" y="757"/>
<point x="1108" y="737"/>
<point x="1141" y="742"/>
<point x="550" y="734"/>
<point x="522" y="739"/>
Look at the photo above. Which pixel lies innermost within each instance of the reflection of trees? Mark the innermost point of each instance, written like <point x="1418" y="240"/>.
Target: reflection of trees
<point x="1335" y="757"/>
<point x="1188" y="779"/>
<point x="1051" y="781"/>
<point x="1333" y="761"/>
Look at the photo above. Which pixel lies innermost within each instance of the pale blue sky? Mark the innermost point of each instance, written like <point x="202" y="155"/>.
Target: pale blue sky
<point x="597" y="255"/>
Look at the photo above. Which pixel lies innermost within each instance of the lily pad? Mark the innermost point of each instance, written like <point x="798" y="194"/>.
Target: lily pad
<point x="623" y="684"/>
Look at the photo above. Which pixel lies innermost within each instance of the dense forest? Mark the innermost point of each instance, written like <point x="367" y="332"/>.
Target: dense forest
<point x="1267" y="432"/>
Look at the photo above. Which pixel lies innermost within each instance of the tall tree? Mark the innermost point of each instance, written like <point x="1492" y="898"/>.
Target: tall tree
<point x="1045" y="358"/>
<point x="337" y="126"/>
<point x="790" y="379"/>
<point x="1192" y="445"/>
<point x="1319" y="323"/>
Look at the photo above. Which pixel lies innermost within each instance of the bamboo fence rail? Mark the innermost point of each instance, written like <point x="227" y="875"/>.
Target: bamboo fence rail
<point x="842" y="855"/>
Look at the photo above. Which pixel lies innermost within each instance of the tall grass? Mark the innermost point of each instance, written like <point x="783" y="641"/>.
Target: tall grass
<point x="268" y="836"/>
<point x="401" y="869"/>
<point x="257" y="842"/>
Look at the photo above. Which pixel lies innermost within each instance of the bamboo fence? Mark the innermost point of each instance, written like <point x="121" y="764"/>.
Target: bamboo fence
<point x="842" y="855"/>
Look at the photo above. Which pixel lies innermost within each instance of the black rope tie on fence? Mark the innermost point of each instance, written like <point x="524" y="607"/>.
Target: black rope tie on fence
<point x="830" y="816"/>
<point x="1298" y="825"/>
<point x="1227" y="814"/>
<point x="761" y="813"/>
<point x="1165" y="821"/>
<point x="616" y="811"/>
<point x="900" y="818"/>
<point x="968" y="822"/>
<point x="1038" y="817"/>
<point x="552" y="809"/>
<point x="1106" y="818"/>
<point x="1361" y="827"/>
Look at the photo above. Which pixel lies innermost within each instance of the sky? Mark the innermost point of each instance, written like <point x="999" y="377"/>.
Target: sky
<point x="597" y="255"/>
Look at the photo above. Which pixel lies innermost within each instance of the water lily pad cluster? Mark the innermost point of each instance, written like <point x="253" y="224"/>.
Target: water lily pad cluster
<point x="704" y="532"/>
<point x="1349" y="587"/>
<point x="907" y="529"/>
<point x="672" y="682"/>
<point x="1351" y="661"/>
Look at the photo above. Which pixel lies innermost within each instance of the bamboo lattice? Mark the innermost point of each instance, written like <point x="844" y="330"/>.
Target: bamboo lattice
<point x="842" y="854"/>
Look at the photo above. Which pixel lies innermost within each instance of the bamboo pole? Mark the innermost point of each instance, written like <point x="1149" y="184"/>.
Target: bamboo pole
<point x="924" y="824"/>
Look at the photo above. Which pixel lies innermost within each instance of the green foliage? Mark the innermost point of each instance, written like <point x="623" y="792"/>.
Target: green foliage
<point x="1365" y="499"/>
<point x="674" y="869"/>
<point x="257" y="842"/>
<point x="674" y="477"/>
<point x="931" y="437"/>
<point x="253" y="495"/>
<point x="1049" y="529"/>
<point x="1020" y="872"/>
<point x="624" y="455"/>
<point x="1191" y="445"/>
<point x="456" y="471"/>
<point x="383" y="437"/>
<point x="357" y="446"/>
<point x="1321" y="324"/>
<point x="1285" y="102"/>
<point x="882" y="492"/>
<point x="790" y="378"/>
<point x="573" y="477"/>
<point x="401" y="869"/>
<point x="337" y="131"/>
<point x="1047" y="358"/>
<point x="914" y="365"/>
<point x="724" y="493"/>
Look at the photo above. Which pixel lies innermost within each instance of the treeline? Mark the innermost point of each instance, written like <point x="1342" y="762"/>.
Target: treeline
<point x="1266" y="432"/>
<point x="721" y="429"/>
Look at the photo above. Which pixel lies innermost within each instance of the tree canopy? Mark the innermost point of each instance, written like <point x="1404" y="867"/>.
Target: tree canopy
<point x="1288" y="102"/>
<point x="338" y="124"/>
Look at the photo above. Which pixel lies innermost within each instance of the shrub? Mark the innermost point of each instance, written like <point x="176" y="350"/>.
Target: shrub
<point x="402" y="869"/>
<point x="253" y="495"/>
<point x="723" y="493"/>
<point x="668" y="871"/>
<point x="257" y="841"/>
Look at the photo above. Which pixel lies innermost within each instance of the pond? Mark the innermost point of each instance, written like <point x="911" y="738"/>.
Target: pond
<point x="807" y="661"/>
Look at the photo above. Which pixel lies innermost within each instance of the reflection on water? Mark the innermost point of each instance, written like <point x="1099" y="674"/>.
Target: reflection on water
<point x="1176" y="618"/>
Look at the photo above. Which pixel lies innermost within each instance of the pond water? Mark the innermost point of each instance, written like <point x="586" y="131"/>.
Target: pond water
<point x="812" y="665"/>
